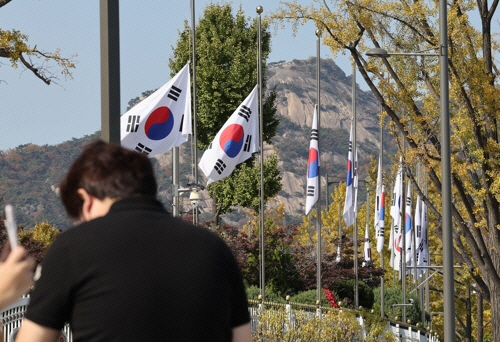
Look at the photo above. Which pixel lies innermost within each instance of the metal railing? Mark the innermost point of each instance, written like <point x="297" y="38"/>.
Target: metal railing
<point x="11" y="318"/>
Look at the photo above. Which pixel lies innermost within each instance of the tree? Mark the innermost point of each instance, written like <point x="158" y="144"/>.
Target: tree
<point x="226" y="54"/>
<point x="281" y="275"/>
<point x="14" y="46"/>
<point x="408" y="90"/>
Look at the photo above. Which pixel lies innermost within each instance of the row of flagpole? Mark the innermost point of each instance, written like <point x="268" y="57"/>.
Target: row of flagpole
<point x="163" y="122"/>
<point x="407" y="249"/>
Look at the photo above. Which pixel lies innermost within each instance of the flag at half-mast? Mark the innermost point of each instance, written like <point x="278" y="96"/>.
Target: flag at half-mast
<point x="396" y="209"/>
<point x="313" y="166"/>
<point x="160" y="121"/>
<point x="408" y="229"/>
<point x="379" y="209"/>
<point x="418" y="231"/>
<point x="421" y="234"/>
<point x="234" y="143"/>
<point x="367" y="250"/>
<point x="349" y="192"/>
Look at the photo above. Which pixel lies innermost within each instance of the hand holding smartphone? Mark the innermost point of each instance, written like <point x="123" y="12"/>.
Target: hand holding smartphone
<point x="11" y="226"/>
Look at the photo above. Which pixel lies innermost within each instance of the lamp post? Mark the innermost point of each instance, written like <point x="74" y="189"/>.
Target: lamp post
<point x="449" y="308"/>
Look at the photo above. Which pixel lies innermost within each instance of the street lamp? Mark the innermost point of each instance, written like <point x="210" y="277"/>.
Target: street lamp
<point x="449" y="308"/>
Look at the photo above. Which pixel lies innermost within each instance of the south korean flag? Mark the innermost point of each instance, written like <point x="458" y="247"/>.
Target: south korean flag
<point x="234" y="143"/>
<point x="162" y="120"/>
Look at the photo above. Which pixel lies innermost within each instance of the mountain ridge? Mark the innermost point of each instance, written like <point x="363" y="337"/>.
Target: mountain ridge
<point x="30" y="174"/>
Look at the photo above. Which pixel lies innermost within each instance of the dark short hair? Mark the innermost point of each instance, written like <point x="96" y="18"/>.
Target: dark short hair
<point x="107" y="170"/>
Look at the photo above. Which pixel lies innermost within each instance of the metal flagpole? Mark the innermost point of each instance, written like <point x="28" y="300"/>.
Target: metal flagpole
<point x="318" y="221"/>
<point x="449" y="299"/>
<point x="195" y="130"/>
<point x="402" y="229"/>
<point x="382" y="293"/>
<point x="175" y="181"/>
<point x="260" y="9"/>
<point x="355" y="188"/>
<point x="110" y="70"/>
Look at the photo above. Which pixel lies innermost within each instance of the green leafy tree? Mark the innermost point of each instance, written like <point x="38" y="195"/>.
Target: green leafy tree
<point x="226" y="72"/>
<point x="407" y="87"/>
<point x="14" y="46"/>
<point x="38" y="240"/>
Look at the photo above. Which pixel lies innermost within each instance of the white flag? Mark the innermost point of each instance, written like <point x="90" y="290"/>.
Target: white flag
<point x="162" y="120"/>
<point x="235" y="142"/>
<point x="379" y="210"/>
<point x="367" y="251"/>
<point x="408" y="229"/>
<point x="390" y="246"/>
<point x="349" y="194"/>
<point x="313" y="166"/>
<point x="418" y="232"/>
<point x="396" y="217"/>
<point x="339" y="251"/>
<point x="355" y="178"/>
<point x="421" y="235"/>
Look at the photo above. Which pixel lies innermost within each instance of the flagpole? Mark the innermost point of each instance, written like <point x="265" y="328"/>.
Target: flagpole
<point x="110" y="70"/>
<point x="355" y="188"/>
<point x="381" y="158"/>
<point x="195" y="130"/>
<point x="318" y="221"/>
<point x="260" y="9"/>
<point x="339" y="247"/>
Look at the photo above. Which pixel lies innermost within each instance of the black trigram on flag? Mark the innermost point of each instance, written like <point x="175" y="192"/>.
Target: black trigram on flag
<point x="174" y="93"/>
<point x="245" y="112"/>
<point x="310" y="190"/>
<point x="182" y="122"/>
<point x="219" y="166"/>
<point x="248" y="140"/>
<point x="314" y="134"/>
<point x="350" y="146"/>
<point x="143" y="149"/>
<point x="380" y="231"/>
<point x="133" y="123"/>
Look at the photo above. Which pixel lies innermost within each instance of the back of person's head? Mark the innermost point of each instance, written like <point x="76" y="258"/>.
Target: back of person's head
<point x="107" y="170"/>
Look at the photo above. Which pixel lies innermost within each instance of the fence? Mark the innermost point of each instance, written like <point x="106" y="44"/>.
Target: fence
<point x="12" y="316"/>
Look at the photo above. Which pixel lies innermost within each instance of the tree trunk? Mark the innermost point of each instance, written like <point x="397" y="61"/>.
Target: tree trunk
<point x="479" y="317"/>
<point x="468" y="319"/>
<point x="495" y="311"/>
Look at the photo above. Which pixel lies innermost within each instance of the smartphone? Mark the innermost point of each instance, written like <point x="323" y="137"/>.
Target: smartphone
<point x="11" y="226"/>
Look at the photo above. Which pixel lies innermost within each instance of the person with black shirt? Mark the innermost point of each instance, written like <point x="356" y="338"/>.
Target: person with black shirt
<point x="130" y="271"/>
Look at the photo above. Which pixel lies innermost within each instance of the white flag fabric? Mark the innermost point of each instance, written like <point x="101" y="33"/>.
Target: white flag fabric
<point x="378" y="217"/>
<point x="234" y="143"/>
<point x="408" y="228"/>
<point x="367" y="251"/>
<point x="418" y="232"/>
<point x="339" y="251"/>
<point x="313" y="166"/>
<point x="421" y="235"/>
<point x="355" y="178"/>
<point x="162" y="120"/>
<point x="390" y="246"/>
<point x="395" y="212"/>
<point x="349" y="194"/>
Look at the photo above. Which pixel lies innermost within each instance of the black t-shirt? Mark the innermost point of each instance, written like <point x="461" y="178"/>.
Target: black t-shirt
<point x="138" y="274"/>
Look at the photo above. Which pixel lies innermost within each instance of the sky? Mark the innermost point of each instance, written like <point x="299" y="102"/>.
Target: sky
<point x="33" y="112"/>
